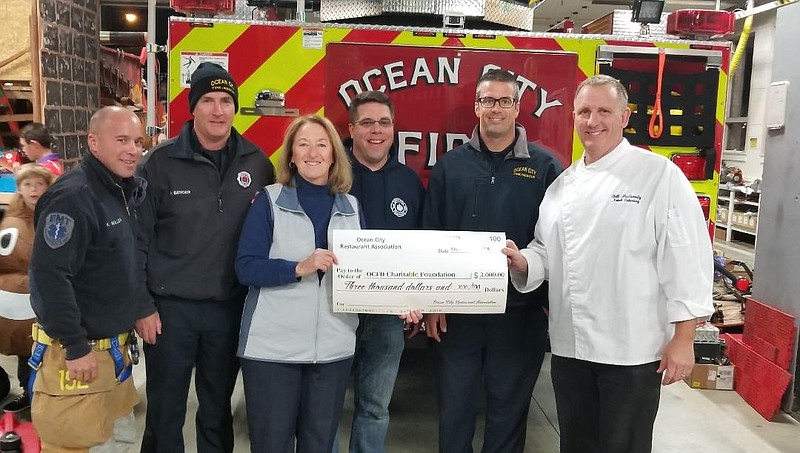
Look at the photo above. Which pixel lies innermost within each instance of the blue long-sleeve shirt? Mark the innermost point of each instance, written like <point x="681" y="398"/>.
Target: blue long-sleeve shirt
<point x="254" y="267"/>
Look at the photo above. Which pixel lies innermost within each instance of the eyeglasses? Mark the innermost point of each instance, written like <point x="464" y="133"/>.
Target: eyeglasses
<point x="489" y="102"/>
<point x="369" y="122"/>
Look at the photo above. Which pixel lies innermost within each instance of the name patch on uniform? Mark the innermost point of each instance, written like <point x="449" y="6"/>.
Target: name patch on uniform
<point x="525" y="172"/>
<point x="625" y="198"/>
<point x="58" y="229"/>
<point x="399" y="207"/>
<point x="244" y="179"/>
<point x="181" y="192"/>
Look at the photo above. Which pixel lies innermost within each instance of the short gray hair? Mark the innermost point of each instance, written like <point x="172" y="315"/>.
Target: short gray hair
<point x="605" y="80"/>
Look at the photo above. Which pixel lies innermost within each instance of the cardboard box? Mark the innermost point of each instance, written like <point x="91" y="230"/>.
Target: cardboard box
<point x="710" y="376"/>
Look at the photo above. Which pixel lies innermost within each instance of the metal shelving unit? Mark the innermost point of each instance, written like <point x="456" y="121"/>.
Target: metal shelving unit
<point x="737" y="210"/>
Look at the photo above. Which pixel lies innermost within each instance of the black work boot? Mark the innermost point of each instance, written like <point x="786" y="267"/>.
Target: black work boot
<point x="18" y="404"/>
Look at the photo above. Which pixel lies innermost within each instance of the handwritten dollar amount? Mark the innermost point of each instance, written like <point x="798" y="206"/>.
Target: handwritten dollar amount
<point x="488" y="275"/>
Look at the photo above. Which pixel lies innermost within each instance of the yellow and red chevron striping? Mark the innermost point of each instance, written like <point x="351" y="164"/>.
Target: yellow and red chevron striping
<point x="178" y="31"/>
<point x="453" y="42"/>
<point x="258" y="47"/>
<point x="307" y="94"/>
<point x="371" y="36"/>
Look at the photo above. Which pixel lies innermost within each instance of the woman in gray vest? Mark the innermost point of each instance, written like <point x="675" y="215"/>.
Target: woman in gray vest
<point x="295" y="352"/>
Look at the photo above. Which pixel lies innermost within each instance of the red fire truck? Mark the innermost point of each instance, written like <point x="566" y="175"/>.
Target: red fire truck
<point x="290" y="68"/>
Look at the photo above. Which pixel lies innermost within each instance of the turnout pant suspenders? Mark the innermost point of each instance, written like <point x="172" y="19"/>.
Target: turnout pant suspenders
<point x="121" y="372"/>
<point x="35" y="362"/>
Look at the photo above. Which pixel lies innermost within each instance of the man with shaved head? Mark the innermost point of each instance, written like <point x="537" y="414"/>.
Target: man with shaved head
<point x="84" y="289"/>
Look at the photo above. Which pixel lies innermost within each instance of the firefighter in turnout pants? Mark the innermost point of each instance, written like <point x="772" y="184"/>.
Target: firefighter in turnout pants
<point x="84" y="287"/>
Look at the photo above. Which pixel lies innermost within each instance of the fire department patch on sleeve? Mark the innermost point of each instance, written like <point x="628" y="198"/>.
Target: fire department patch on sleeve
<point x="244" y="179"/>
<point x="58" y="229"/>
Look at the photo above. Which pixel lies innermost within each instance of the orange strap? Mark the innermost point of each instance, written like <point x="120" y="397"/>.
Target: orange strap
<point x="657" y="113"/>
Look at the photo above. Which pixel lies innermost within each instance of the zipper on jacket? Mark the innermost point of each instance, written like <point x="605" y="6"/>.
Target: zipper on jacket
<point x="475" y="200"/>
<point x="316" y="330"/>
<point x="319" y="285"/>
<point x="492" y="180"/>
<point x="124" y="199"/>
<point x="235" y="158"/>
<point x="220" y="178"/>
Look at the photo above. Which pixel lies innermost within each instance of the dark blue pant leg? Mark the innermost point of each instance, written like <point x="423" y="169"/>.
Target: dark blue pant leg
<point x="323" y="389"/>
<point x="169" y="365"/>
<point x="215" y="375"/>
<point x="272" y="395"/>
<point x="515" y="348"/>
<point x="459" y="359"/>
<point x="379" y="347"/>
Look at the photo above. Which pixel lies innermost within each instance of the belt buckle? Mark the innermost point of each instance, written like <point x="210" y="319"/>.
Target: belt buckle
<point x="36" y="333"/>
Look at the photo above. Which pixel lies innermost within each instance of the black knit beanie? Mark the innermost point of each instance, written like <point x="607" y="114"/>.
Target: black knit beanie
<point x="210" y="77"/>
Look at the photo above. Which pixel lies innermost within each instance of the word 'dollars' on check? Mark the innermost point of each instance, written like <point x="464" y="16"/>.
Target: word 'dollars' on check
<point x="394" y="271"/>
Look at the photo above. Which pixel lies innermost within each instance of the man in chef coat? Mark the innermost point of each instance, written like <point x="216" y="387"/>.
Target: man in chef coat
<point x="624" y="245"/>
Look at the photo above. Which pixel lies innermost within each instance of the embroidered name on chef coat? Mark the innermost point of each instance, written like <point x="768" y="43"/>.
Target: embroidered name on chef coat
<point x="625" y="198"/>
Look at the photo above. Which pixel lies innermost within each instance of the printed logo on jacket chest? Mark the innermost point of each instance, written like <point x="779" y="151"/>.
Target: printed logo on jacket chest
<point x="244" y="179"/>
<point x="399" y="207"/>
<point x="525" y="172"/>
<point x="625" y="198"/>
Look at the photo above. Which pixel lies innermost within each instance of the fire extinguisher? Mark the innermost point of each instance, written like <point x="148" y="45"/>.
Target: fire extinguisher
<point x="17" y="437"/>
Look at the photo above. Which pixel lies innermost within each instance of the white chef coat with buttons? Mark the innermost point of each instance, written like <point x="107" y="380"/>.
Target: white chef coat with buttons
<point x="626" y="250"/>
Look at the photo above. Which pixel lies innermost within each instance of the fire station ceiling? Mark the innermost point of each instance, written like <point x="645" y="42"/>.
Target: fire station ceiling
<point x="545" y="15"/>
<point x="550" y="12"/>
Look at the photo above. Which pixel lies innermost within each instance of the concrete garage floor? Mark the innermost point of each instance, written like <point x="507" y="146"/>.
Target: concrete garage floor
<point x="707" y="421"/>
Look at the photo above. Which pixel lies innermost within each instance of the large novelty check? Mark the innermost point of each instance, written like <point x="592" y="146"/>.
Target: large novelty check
<point x="394" y="271"/>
